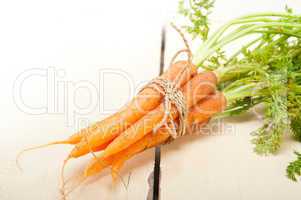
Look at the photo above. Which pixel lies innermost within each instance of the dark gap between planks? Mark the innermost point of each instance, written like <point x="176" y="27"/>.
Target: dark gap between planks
<point x="156" y="174"/>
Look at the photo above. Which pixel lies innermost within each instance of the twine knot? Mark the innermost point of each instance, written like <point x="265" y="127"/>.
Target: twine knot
<point x="172" y="96"/>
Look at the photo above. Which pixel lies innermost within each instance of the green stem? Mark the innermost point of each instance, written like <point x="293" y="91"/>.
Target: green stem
<point x="272" y="14"/>
<point x="248" y="90"/>
<point x="251" y="24"/>
<point x="204" y="52"/>
<point x="225" y="73"/>
<point x="244" y="47"/>
<point x="243" y="20"/>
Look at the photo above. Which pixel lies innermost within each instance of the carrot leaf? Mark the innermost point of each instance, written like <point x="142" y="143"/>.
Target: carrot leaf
<point x="294" y="168"/>
<point x="196" y="12"/>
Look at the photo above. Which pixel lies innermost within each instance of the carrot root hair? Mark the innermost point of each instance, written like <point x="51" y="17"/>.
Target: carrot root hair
<point x="62" y="179"/>
<point x="34" y="148"/>
<point x="82" y="178"/>
<point x="116" y="175"/>
<point x="80" y="181"/>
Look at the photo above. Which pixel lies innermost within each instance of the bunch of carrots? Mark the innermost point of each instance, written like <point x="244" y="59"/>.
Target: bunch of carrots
<point x="132" y="129"/>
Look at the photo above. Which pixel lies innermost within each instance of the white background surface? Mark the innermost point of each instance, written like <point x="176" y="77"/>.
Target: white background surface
<point x="80" y="38"/>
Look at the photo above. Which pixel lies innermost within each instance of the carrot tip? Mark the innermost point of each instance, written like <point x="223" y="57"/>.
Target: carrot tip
<point x="34" y="148"/>
<point x="114" y="176"/>
<point x="62" y="187"/>
<point x="81" y="180"/>
<point x="18" y="163"/>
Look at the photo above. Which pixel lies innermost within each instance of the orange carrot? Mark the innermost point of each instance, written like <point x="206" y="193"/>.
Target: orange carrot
<point x="107" y="129"/>
<point x="148" y="141"/>
<point x="102" y="146"/>
<point x="198" y="114"/>
<point x="97" y="165"/>
<point x="207" y="107"/>
<point x="195" y="90"/>
<point x="73" y="139"/>
<point x="147" y="100"/>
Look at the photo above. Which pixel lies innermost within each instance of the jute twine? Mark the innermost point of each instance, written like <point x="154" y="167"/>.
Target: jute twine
<point x="173" y="95"/>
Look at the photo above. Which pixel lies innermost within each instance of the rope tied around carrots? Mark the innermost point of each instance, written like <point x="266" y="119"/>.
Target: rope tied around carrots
<point x="173" y="95"/>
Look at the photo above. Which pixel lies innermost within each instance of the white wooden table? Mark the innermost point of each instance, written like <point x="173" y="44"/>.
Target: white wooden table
<point x="112" y="47"/>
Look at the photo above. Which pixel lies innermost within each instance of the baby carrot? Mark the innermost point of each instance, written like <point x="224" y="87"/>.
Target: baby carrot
<point x="102" y="146"/>
<point x="206" y="108"/>
<point x="148" y="141"/>
<point x="198" y="114"/>
<point x="107" y="129"/>
<point x="196" y="89"/>
<point x="146" y="100"/>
